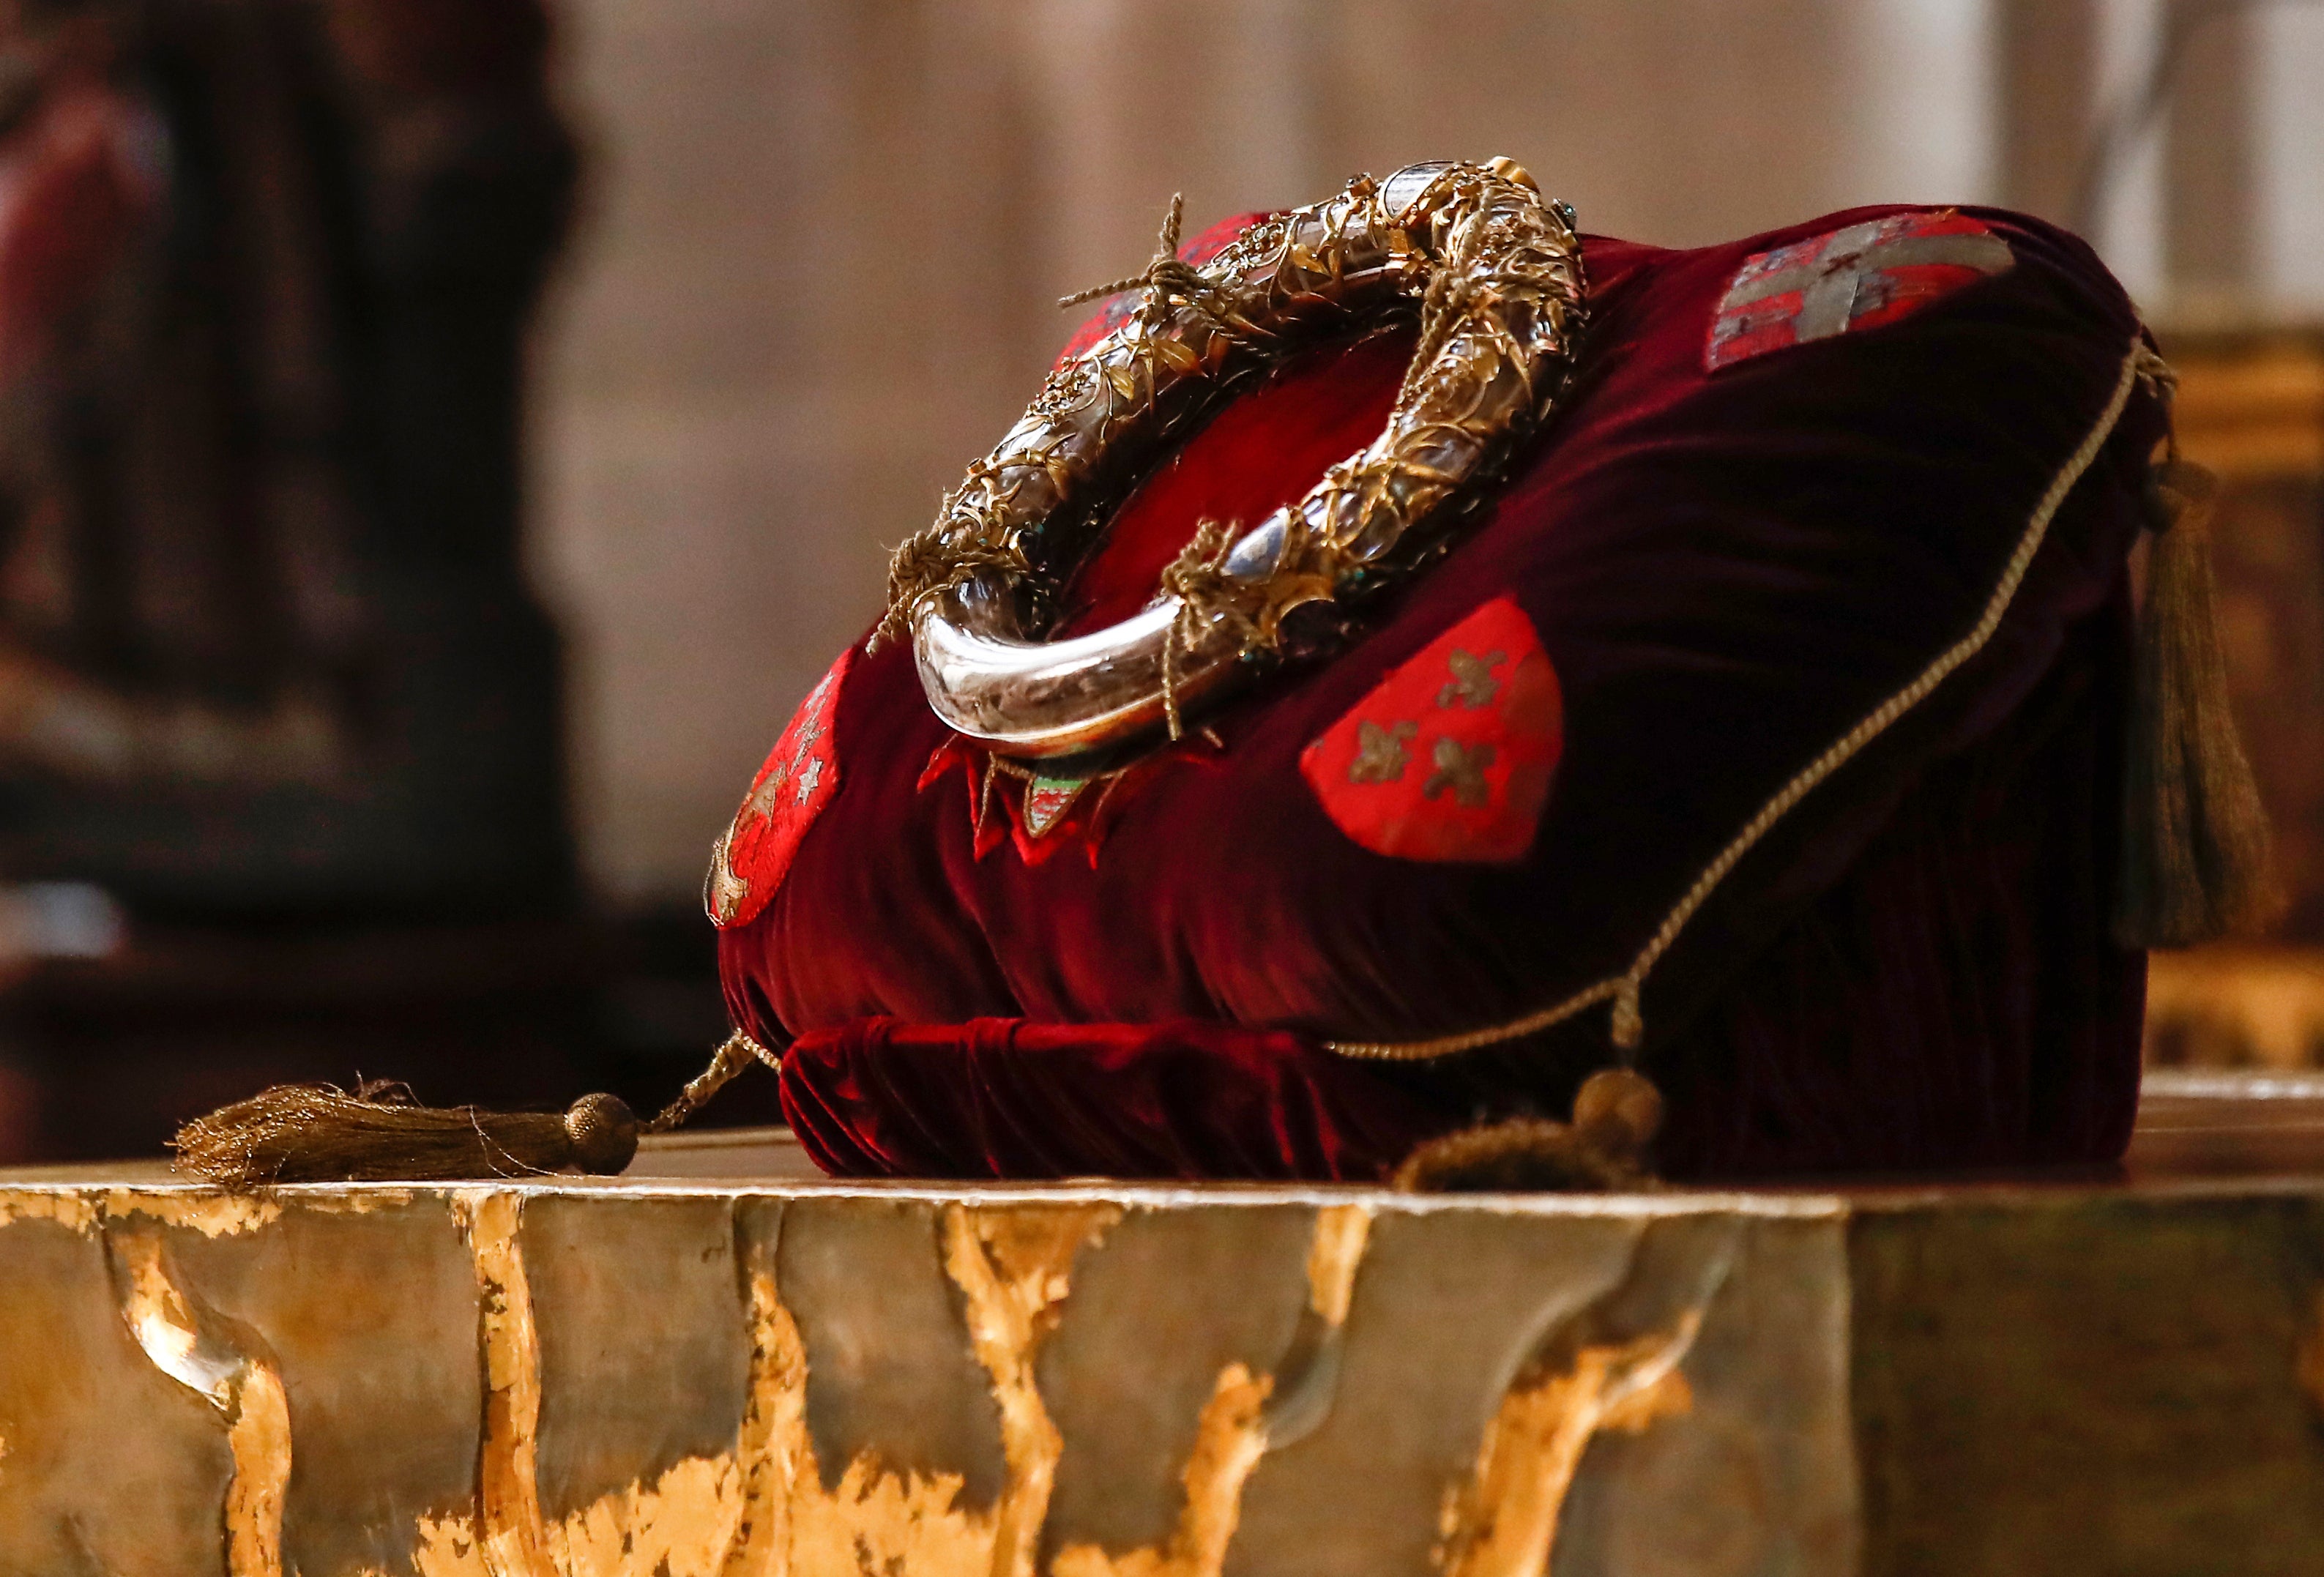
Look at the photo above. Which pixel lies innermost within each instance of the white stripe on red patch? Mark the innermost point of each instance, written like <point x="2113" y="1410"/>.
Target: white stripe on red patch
<point x="1860" y="277"/>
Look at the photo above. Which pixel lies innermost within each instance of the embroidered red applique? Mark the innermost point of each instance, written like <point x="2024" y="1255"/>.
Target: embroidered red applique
<point x="1860" y="277"/>
<point x="801" y="776"/>
<point x="1009" y="803"/>
<point x="1450" y="757"/>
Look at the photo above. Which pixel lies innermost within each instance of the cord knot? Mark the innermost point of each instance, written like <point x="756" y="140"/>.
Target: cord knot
<point x="1167" y="278"/>
<point x="1206" y="594"/>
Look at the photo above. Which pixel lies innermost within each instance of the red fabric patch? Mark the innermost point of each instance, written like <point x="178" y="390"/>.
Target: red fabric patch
<point x="1859" y="277"/>
<point x="801" y="776"/>
<point x="1450" y="757"/>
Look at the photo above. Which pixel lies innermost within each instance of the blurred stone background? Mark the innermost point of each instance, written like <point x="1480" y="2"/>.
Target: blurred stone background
<point x="807" y="272"/>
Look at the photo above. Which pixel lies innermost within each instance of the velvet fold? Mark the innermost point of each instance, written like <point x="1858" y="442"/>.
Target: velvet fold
<point x="1005" y="1098"/>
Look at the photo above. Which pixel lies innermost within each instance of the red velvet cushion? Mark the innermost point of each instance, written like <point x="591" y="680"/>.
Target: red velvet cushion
<point x="1725" y="569"/>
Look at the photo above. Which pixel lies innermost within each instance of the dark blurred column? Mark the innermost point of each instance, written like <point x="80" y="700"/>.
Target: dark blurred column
<point x="466" y="178"/>
<point x="300" y="418"/>
<point x="2209" y="153"/>
<point x="2048" y="72"/>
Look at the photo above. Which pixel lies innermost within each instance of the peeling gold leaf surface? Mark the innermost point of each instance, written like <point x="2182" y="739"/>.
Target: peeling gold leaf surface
<point x="1503" y="1521"/>
<point x="1342" y="1233"/>
<point x="1228" y="1445"/>
<point x="243" y="1388"/>
<point x="764" y="1508"/>
<point x="259" y="1440"/>
<point x="212" y="1215"/>
<point x="72" y="1211"/>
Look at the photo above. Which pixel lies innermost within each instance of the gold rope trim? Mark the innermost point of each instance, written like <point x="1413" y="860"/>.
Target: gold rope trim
<point x="1628" y="1024"/>
<point x="737" y="1052"/>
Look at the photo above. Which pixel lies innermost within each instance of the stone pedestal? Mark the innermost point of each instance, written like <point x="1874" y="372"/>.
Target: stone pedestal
<point x="683" y="1372"/>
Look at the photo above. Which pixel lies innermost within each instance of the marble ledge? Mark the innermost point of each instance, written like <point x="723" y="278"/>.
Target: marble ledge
<point x="705" y="1368"/>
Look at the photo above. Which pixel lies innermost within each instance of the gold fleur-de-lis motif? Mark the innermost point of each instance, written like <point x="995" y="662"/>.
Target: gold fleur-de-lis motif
<point x="1461" y="770"/>
<point x="1380" y="755"/>
<point x="1472" y="684"/>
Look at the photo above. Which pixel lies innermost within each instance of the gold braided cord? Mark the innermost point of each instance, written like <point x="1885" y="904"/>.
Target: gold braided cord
<point x="1455" y="289"/>
<point x="1623" y="989"/>
<point x="2161" y="378"/>
<point x="737" y="1052"/>
<point x="1210" y="598"/>
<point x="1167" y="277"/>
<point x="1198" y="577"/>
<point x="940" y="557"/>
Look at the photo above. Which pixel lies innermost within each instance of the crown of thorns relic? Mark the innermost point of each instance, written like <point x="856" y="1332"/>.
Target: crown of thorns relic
<point x="1496" y="271"/>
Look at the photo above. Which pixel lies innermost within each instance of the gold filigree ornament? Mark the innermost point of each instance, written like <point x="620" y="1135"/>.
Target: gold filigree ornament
<point x="1493" y="273"/>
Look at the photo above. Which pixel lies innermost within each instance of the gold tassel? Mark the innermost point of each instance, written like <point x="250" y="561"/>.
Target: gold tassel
<point x="1616" y="1115"/>
<point x="2195" y="858"/>
<point x="319" y="1133"/>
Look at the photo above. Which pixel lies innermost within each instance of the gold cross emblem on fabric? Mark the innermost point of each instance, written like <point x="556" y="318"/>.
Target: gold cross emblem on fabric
<point x="1380" y="755"/>
<point x="1472" y="684"/>
<point x="1462" y="772"/>
<point x="808" y="771"/>
<point x="809" y="775"/>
